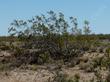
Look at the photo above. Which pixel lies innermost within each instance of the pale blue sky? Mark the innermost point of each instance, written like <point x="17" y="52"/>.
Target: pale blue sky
<point x="96" y="11"/>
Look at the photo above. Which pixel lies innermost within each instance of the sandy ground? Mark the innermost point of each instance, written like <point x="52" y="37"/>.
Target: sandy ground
<point x="43" y="75"/>
<point x="26" y="76"/>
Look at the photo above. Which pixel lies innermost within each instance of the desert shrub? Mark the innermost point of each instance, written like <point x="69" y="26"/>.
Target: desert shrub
<point x="73" y="62"/>
<point x="99" y="77"/>
<point x="108" y="78"/>
<point x="62" y="78"/>
<point x="76" y="77"/>
<point x="108" y="52"/>
<point x="5" y="66"/>
<point x="101" y="62"/>
<point x="97" y="61"/>
<point x="21" y="57"/>
<point x="52" y="33"/>
<point x="4" y="46"/>
<point x="87" y="67"/>
<point x="106" y="62"/>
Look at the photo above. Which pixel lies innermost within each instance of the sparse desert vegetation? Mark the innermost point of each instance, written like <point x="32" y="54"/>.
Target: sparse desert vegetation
<point x="48" y="48"/>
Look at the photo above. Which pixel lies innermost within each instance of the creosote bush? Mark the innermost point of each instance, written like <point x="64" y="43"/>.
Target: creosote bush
<point x="51" y="34"/>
